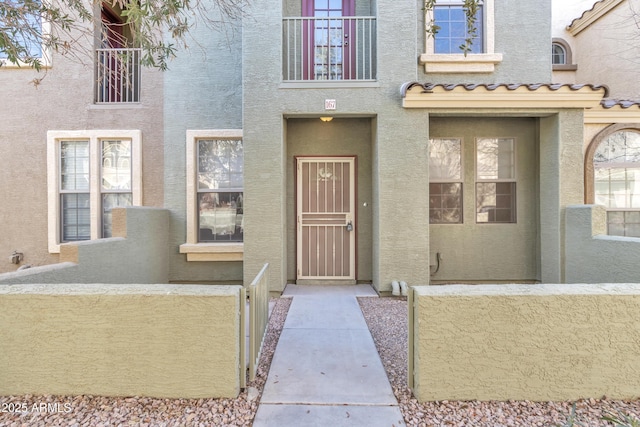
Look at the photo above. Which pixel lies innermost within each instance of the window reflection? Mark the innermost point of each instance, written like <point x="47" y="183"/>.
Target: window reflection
<point x="445" y="176"/>
<point x="496" y="176"/>
<point x="616" y="164"/>
<point x="220" y="195"/>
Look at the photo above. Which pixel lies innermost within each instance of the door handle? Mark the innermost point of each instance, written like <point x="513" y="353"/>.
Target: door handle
<point x="349" y="226"/>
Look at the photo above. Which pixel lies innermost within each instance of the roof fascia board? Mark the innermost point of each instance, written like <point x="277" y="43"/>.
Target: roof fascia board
<point x="590" y="16"/>
<point x="500" y="98"/>
<point x="616" y="114"/>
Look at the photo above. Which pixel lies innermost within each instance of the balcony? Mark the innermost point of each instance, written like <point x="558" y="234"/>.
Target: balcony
<point x="117" y="76"/>
<point x="321" y="49"/>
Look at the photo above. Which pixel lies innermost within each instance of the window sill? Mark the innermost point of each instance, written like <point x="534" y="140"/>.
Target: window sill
<point x="458" y="63"/>
<point x="564" y="67"/>
<point x="213" y="251"/>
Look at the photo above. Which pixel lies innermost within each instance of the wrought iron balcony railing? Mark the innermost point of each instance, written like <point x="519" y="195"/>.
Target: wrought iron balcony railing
<point x="117" y="76"/>
<point x="329" y="49"/>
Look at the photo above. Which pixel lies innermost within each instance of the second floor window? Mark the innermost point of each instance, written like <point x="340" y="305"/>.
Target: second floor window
<point x="451" y="19"/>
<point x="118" y="63"/>
<point x="29" y="31"/>
<point x="558" y="55"/>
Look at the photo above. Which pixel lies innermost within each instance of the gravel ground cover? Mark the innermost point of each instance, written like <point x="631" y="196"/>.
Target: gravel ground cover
<point x="387" y="320"/>
<point x="142" y="411"/>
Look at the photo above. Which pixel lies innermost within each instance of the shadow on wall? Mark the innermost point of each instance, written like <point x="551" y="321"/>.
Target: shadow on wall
<point x="137" y="254"/>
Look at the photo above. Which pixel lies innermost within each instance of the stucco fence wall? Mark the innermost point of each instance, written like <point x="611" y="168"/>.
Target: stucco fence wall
<point x="525" y="342"/>
<point x="137" y="253"/>
<point x="104" y="321"/>
<point x="591" y="256"/>
<point x="174" y="341"/>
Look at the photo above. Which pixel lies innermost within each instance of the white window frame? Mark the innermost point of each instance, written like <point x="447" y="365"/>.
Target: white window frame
<point x="95" y="137"/>
<point x="205" y="251"/>
<point x="458" y="62"/>
<point x="45" y="59"/>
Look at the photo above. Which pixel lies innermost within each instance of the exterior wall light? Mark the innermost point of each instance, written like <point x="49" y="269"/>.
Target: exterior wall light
<point x="326" y="119"/>
<point x="16" y="257"/>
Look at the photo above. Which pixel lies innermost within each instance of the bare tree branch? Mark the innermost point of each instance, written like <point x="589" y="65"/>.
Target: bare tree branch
<point x="31" y="29"/>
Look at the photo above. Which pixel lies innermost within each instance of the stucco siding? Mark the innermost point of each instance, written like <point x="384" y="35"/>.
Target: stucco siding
<point x="63" y="100"/>
<point x="136" y="254"/>
<point x="401" y="186"/>
<point x="561" y="184"/>
<point x="398" y="146"/>
<point x="501" y="252"/>
<point x="120" y="340"/>
<point x="522" y="36"/>
<point x="203" y="91"/>
<point x="340" y="137"/>
<point x="605" y="55"/>
<point x="592" y="255"/>
<point x="526" y="342"/>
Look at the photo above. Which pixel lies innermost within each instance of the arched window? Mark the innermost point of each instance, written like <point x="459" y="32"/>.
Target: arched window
<point x="612" y="177"/>
<point x="558" y="54"/>
<point x="561" y="58"/>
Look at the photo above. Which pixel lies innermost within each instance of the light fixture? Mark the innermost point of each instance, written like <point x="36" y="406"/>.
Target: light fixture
<point x="326" y="119"/>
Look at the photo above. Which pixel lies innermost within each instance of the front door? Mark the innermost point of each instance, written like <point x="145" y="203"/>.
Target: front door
<point x="325" y="214"/>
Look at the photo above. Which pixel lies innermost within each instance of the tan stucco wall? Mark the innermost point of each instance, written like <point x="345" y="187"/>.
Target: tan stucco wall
<point x="179" y="341"/>
<point x="340" y="137"/>
<point x="526" y="342"/>
<point x="136" y="254"/>
<point x="62" y="101"/>
<point x="604" y="54"/>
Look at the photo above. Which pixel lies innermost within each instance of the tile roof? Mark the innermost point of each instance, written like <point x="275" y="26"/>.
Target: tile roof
<point x="605" y="103"/>
<point x="588" y="17"/>
<point x="493" y="86"/>
<point x="588" y="11"/>
<point x="593" y="7"/>
<point x="622" y="103"/>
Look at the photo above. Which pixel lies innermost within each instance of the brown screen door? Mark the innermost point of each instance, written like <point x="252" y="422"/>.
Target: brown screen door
<point x="326" y="218"/>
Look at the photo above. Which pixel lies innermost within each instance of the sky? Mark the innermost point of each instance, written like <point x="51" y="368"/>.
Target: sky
<point x="565" y="11"/>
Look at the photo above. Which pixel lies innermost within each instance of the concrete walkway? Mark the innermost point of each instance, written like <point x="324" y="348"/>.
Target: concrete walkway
<point x="326" y="370"/>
